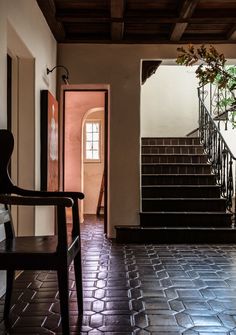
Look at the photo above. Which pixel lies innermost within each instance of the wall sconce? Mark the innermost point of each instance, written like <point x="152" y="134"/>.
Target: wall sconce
<point x="64" y="77"/>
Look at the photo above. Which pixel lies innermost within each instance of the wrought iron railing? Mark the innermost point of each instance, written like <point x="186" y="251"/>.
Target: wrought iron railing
<point x="219" y="154"/>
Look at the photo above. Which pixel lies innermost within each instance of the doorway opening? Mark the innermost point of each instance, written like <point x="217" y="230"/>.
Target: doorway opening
<point x="85" y="148"/>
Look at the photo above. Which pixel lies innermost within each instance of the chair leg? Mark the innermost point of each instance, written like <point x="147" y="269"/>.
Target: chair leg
<point x="62" y="275"/>
<point x="78" y="282"/>
<point x="9" y="287"/>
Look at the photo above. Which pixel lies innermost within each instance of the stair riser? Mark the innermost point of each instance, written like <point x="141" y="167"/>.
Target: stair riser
<point x="175" y="169"/>
<point x="174" y="159"/>
<point x="164" y="236"/>
<point x="185" y="150"/>
<point x="183" y="205"/>
<point x="176" y="192"/>
<point x="171" y="141"/>
<point x="184" y="220"/>
<point x="178" y="180"/>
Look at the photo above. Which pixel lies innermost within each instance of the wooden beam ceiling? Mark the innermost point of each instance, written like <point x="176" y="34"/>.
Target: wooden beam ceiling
<point x="186" y="10"/>
<point x="49" y="10"/>
<point x="117" y="16"/>
<point x="141" y="21"/>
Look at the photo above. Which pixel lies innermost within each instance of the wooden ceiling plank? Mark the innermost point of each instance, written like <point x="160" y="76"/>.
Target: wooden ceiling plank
<point x="48" y="9"/>
<point x="117" y="12"/>
<point x="186" y="11"/>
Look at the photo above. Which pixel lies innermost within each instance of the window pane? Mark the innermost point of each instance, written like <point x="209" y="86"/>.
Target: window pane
<point x="89" y="154"/>
<point x="95" y="145"/>
<point x="95" y="127"/>
<point x="95" y="155"/>
<point x="89" y="146"/>
<point x="89" y="127"/>
<point x="96" y="137"/>
<point x="89" y="137"/>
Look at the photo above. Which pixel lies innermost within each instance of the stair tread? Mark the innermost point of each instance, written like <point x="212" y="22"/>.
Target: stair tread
<point x="175" y="228"/>
<point x="188" y="213"/>
<point x="173" y="145"/>
<point x="179" y="174"/>
<point x="167" y="154"/>
<point x="189" y="164"/>
<point x="184" y="198"/>
<point x="198" y="186"/>
<point x="171" y="137"/>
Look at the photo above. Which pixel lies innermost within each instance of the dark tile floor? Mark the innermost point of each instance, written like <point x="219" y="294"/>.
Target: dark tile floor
<point x="135" y="289"/>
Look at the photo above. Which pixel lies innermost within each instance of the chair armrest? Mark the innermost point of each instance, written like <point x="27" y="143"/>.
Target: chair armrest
<point x="36" y="201"/>
<point x="32" y="193"/>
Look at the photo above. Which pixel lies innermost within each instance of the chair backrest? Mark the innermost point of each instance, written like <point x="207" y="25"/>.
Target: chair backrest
<point x="6" y="220"/>
<point x="6" y="149"/>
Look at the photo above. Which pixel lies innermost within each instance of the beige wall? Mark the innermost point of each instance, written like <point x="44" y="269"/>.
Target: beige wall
<point x="119" y="66"/>
<point x="169" y="102"/>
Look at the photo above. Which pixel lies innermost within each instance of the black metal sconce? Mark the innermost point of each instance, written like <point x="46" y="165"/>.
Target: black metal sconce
<point x="65" y="76"/>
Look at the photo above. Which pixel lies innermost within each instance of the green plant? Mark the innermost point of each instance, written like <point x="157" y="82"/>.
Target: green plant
<point x="212" y="69"/>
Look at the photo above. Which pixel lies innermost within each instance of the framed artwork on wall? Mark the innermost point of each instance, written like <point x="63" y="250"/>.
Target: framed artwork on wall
<point x="49" y="142"/>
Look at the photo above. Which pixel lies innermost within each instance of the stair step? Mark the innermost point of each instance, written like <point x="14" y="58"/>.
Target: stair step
<point x="170" y="141"/>
<point x="183" y="204"/>
<point x="178" y="179"/>
<point x="173" y="158"/>
<point x="163" y="235"/>
<point x="181" y="191"/>
<point x="185" y="219"/>
<point x="172" y="149"/>
<point x="174" y="168"/>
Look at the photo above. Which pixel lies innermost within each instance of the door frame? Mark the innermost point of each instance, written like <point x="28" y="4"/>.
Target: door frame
<point x="88" y="88"/>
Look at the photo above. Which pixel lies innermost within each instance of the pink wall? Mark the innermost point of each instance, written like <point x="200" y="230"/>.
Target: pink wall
<point x="77" y="104"/>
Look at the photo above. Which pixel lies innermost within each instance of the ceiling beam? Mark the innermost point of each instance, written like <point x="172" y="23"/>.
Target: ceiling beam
<point x="117" y="12"/>
<point x="186" y="10"/>
<point x="48" y="9"/>
<point x="131" y="40"/>
<point x="231" y="35"/>
<point x="144" y="20"/>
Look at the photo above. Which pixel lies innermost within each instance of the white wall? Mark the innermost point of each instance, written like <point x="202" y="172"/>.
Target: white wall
<point x="26" y="20"/>
<point x="169" y="102"/>
<point x="119" y="66"/>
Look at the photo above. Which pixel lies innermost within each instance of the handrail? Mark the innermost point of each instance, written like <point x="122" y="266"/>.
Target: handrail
<point x="213" y="122"/>
<point x="219" y="154"/>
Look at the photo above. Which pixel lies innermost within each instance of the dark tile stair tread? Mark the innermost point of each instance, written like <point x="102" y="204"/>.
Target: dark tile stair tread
<point x="172" y="145"/>
<point x="187" y="213"/>
<point x="175" y="228"/>
<point x="181" y="186"/>
<point x="179" y="155"/>
<point x="171" y="137"/>
<point x="184" y="198"/>
<point x="189" y="164"/>
<point x="179" y="174"/>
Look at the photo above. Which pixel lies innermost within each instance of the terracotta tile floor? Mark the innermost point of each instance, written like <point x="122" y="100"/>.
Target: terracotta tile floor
<point x="135" y="289"/>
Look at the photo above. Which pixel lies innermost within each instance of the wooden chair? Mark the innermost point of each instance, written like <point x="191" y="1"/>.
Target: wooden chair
<point x="34" y="252"/>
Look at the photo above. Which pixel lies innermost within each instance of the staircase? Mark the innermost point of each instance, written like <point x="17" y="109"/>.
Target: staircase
<point x="181" y="201"/>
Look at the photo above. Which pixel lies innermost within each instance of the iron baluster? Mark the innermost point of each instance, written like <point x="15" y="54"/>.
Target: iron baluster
<point x="218" y="152"/>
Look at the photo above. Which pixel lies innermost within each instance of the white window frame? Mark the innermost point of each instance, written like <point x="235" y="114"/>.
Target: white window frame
<point x="93" y="160"/>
